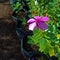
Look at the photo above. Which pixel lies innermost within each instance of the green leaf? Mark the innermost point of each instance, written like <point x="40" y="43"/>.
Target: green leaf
<point x="42" y="44"/>
<point x="37" y="34"/>
<point x="51" y="52"/>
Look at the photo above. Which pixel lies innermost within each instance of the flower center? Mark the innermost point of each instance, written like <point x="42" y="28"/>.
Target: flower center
<point x="37" y="20"/>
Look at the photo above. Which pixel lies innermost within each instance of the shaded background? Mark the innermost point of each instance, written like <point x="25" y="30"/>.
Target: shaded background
<point x="9" y="42"/>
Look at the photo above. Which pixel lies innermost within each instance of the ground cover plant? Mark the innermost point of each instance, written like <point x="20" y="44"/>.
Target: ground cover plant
<point x="44" y="21"/>
<point x="46" y="38"/>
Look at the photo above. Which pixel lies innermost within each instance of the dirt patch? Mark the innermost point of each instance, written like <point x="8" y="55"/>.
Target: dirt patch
<point x="5" y="9"/>
<point x="2" y="1"/>
<point x="9" y="42"/>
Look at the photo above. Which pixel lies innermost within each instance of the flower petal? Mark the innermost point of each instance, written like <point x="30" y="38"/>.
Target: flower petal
<point x="32" y="26"/>
<point x="31" y="20"/>
<point x="37" y="17"/>
<point x="45" y="19"/>
<point x="42" y="25"/>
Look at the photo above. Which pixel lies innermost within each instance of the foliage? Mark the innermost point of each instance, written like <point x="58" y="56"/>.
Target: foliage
<point x="16" y="5"/>
<point x="48" y="41"/>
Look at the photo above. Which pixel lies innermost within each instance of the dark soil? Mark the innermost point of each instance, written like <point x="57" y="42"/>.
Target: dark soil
<point x="1" y="1"/>
<point x="9" y="42"/>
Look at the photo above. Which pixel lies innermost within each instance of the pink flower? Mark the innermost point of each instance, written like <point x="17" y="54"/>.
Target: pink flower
<point x="38" y="21"/>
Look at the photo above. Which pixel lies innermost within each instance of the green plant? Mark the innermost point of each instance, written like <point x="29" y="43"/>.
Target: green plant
<point x="16" y="5"/>
<point x="48" y="41"/>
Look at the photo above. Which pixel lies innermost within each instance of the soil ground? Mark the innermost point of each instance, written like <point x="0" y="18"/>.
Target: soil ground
<point x="9" y="42"/>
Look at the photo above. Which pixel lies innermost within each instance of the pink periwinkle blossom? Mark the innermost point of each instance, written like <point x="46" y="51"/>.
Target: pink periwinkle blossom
<point x="38" y="21"/>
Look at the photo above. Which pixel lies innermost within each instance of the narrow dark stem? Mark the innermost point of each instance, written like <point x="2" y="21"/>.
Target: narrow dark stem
<point x="26" y="7"/>
<point x="44" y="4"/>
